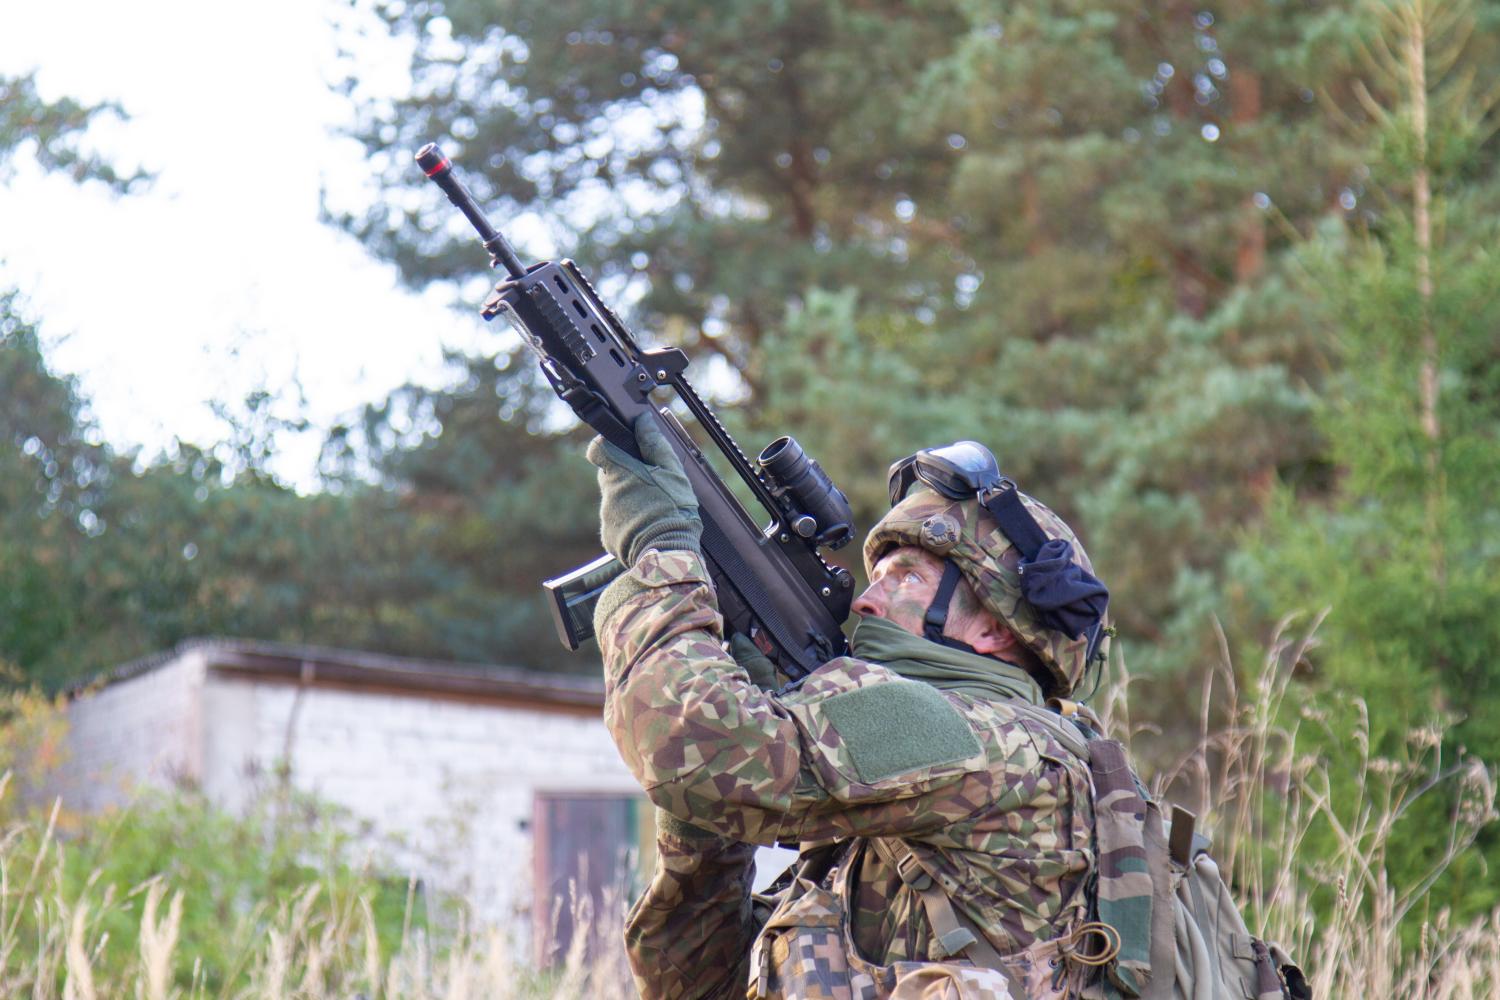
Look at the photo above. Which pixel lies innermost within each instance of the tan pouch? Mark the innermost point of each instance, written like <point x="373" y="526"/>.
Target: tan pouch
<point x="806" y="951"/>
<point x="800" y="951"/>
<point x="948" y="981"/>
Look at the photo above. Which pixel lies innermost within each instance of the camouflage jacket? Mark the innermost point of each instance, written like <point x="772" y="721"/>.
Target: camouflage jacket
<point x="1008" y="825"/>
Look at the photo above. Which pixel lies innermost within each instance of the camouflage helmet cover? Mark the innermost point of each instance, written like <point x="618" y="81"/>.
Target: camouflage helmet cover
<point x="964" y="532"/>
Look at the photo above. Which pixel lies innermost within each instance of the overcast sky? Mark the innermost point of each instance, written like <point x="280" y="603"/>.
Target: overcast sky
<point x="220" y="278"/>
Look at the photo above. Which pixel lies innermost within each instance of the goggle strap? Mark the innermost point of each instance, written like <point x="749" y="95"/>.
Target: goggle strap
<point x="1015" y="520"/>
<point x="903" y="474"/>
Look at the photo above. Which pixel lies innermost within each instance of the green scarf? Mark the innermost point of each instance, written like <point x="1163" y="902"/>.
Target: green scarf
<point x="915" y="658"/>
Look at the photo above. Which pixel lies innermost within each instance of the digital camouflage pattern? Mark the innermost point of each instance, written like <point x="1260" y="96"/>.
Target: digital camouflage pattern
<point x="1008" y="828"/>
<point x="805" y="952"/>
<point x="963" y="531"/>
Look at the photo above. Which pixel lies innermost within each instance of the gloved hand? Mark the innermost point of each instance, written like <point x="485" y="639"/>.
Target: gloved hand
<point x="644" y="502"/>
<point x="755" y="663"/>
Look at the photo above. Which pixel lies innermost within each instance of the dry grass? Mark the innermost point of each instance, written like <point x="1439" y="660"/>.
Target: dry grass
<point x="315" y="947"/>
<point x="1261" y="791"/>
<point x="324" y="944"/>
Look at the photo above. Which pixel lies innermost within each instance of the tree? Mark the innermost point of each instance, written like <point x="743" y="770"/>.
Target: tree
<point x="50" y="132"/>
<point x="53" y="468"/>
<point x="1070" y="224"/>
<point x="1403" y="550"/>
<point x="51" y="474"/>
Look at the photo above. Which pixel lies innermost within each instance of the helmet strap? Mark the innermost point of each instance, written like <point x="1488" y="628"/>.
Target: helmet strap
<point x="1005" y="506"/>
<point x="936" y="618"/>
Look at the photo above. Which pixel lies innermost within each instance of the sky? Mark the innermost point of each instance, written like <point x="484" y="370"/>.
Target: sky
<point x="220" y="278"/>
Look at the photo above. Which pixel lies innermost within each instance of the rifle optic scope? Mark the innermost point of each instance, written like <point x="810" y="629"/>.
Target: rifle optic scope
<point x="817" y="508"/>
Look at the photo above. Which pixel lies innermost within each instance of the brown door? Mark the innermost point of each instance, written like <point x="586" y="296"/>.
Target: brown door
<point x="587" y="851"/>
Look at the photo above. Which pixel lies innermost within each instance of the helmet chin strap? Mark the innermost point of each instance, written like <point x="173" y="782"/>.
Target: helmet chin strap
<point x="936" y="618"/>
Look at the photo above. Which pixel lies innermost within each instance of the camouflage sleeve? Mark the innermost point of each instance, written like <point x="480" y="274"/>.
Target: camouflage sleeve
<point x="689" y="936"/>
<point x="708" y="745"/>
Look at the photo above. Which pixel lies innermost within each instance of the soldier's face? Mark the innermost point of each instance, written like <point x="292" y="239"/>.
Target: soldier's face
<point x="901" y="588"/>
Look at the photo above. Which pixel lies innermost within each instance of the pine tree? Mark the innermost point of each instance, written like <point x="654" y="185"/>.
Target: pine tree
<point x="1063" y="228"/>
<point x="1404" y="550"/>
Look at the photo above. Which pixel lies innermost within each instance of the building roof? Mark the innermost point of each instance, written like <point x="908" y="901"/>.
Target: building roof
<point x="344" y="668"/>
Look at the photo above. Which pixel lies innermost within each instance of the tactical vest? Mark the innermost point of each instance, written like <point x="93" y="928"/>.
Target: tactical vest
<point x="806" y="951"/>
<point x="1162" y="924"/>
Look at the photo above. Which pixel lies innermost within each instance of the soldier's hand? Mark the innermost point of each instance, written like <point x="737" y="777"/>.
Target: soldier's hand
<point x="755" y="663"/>
<point x="645" y="502"/>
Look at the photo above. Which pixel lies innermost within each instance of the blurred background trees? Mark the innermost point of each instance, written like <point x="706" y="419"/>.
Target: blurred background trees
<point x="1217" y="284"/>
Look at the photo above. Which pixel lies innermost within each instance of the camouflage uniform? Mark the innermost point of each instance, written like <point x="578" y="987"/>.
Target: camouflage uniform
<point x="1001" y="816"/>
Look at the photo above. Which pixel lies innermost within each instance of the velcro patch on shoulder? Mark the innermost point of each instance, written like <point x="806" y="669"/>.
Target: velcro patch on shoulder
<point x="895" y="728"/>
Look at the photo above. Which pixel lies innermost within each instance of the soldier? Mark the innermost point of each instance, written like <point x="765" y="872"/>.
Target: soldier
<point x="945" y="821"/>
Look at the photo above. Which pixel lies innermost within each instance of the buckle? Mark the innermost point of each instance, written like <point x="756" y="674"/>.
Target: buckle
<point x="911" y="871"/>
<point x="1004" y="485"/>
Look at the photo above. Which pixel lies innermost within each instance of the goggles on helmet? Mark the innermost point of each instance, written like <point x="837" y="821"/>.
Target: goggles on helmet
<point x="957" y="471"/>
<point x="1067" y="597"/>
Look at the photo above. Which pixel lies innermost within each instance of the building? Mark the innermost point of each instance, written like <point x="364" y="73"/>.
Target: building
<point x="497" y="783"/>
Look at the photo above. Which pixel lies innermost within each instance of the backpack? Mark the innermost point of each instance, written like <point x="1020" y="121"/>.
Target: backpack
<point x="1163" y="925"/>
<point x="1181" y="933"/>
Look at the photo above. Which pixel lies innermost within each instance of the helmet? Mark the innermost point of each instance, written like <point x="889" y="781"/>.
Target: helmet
<point x="967" y="534"/>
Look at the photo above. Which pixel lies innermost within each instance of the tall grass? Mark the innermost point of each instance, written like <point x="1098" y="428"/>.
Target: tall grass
<point x="1305" y="839"/>
<point x="1264" y="796"/>
<point x="322" y="943"/>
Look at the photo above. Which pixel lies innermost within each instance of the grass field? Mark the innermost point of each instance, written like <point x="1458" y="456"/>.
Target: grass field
<point x="78" y="920"/>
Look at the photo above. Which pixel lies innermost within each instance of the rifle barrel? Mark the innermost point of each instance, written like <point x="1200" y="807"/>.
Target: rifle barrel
<point x="439" y="170"/>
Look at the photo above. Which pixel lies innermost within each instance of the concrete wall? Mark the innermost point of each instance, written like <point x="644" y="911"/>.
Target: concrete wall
<point x="147" y="729"/>
<point x="451" y="783"/>
<point x="444" y="787"/>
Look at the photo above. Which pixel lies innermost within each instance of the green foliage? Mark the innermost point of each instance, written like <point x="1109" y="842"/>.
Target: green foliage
<point x="1404" y="551"/>
<point x="1008" y="218"/>
<point x="485" y="499"/>
<point x="235" y="872"/>
<point x="51" y="476"/>
<point x="232" y="874"/>
<point x="172" y="899"/>
<point x="1063" y="229"/>
<point x="1164" y="262"/>
<point x="50" y="132"/>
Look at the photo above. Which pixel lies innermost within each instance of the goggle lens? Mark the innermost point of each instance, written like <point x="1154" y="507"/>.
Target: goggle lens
<point x="957" y="471"/>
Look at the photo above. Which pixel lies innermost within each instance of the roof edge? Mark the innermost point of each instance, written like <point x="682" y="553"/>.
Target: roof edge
<point x="359" y="668"/>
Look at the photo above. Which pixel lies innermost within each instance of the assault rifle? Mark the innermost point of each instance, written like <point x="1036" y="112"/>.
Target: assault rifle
<point x="773" y="585"/>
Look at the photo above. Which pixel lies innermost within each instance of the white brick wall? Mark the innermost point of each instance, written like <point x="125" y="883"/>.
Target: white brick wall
<point x="142" y="730"/>
<point x="451" y="781"/>
<point x="448" y="786"/>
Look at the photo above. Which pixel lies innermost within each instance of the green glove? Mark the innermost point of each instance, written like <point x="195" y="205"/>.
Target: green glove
<point x="647" y="502"/>
<point x="755" y="663"/>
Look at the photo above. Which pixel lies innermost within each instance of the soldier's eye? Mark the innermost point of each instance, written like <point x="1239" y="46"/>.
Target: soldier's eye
<point x="912" y="577"/>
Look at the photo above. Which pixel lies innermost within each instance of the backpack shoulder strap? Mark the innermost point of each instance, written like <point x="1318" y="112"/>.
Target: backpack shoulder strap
<point x="956" y="935"/>
<point x="1132" y="888"/>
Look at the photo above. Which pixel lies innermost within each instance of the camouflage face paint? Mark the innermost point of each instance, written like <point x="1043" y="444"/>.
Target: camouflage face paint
<point x="969" y="537"/>
<point x="901" y="588"/>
